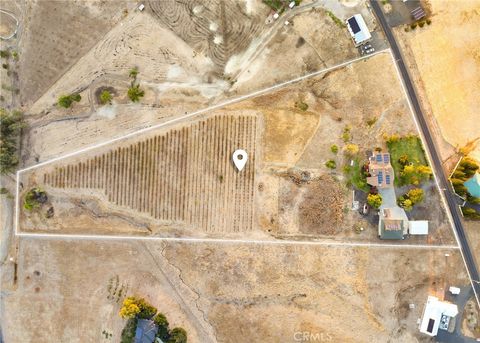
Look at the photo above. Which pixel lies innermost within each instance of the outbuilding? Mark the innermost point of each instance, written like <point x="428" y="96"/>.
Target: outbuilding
<point x="418" y="227"/>
<point x="358" y="29"/>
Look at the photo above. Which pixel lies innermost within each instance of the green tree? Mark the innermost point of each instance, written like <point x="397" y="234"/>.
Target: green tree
<point x="106" y="97"/>
<point x="135" y="93"/>
<point x="374" y="200"/>
<point x="415" y="195"/>
<point x="331" y="164"/>
<point x="34" y="198"/>
<point x="66" y="101"/>
<point x="162" y="323"/>
<point x="178" y="335"/>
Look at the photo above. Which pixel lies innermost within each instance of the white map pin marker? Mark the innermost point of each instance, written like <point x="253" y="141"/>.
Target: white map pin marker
<point x="240" y="158"/>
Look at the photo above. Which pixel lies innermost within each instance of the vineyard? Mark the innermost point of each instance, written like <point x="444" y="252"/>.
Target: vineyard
<point x="184" y="176"/>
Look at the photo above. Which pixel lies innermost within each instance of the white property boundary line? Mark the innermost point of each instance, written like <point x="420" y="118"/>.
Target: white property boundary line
<point x="442" y="194"/>
<point x="212" y="240"/>
<point x="175" y="120"/>
<point x="237" y="241"/>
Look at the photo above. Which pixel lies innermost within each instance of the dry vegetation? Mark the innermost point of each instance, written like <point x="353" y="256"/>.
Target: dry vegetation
<point x="446" y="56"/>
<point x="220" y="291"/>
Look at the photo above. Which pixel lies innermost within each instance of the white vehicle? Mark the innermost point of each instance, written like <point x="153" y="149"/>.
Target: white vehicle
<point x="291" y="4"/>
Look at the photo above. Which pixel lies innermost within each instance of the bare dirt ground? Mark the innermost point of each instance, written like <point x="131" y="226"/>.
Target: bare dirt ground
<point x="446" y="58"/>
<point x="220" y="292"/>
<point x="108" y="195"/>
<point x="54" y="35"/>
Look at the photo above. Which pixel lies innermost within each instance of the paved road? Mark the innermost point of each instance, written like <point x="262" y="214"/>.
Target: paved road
<point x="437" y="165"/>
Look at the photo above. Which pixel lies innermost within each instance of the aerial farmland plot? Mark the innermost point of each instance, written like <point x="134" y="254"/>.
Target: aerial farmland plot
<point x="195" y="171"/>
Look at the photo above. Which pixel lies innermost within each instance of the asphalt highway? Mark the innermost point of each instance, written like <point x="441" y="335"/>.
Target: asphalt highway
<point x="435" y="159"/>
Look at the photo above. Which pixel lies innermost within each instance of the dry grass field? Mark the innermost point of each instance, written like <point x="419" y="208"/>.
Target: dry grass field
<point x="69" y="291"/>
<point x="446" y="55"/>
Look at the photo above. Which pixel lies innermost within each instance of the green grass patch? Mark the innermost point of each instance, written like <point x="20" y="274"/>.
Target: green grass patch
<point x="276" y="5"/>
<point x="355" y="175"/>
<point x="410" y="146"/>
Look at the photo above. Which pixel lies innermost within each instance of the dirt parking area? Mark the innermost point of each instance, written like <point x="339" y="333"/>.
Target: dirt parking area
<point x="64" y="290"/>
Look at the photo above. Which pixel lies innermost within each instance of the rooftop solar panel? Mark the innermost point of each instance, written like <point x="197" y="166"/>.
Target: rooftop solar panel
<point x="387" y="179"/>
<point x="353" y="25"/>
<point x="386" y="158"/>
<point x="380" y="177"/>
<point x="379" y="158"/>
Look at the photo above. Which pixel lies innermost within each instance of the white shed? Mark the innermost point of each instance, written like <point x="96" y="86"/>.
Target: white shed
<point x="418" y="227"/>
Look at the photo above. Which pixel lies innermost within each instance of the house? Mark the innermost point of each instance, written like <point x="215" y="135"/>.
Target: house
<point x="380" y="170"/>
<point x="437" y="315"/>
<point x="358" y="29"/>
<point x="146" y="331"/>
<point x="418" y="227"/>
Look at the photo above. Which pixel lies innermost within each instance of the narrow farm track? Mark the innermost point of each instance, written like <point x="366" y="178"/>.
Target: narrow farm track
<point x="184" y="176"/>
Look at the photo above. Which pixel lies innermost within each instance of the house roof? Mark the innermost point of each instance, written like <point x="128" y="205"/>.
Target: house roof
<point x="381" y="171"/>
<point x="358" y="29"/>
<point x="418" y="227"/>
<point x="434" y="310"/>
<point x="146" y="331"/>
<point x="391" y="229"/>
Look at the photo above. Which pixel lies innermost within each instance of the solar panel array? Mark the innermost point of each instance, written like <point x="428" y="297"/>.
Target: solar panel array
<point x="378" y="158"/>
<point x="386" y="158"/>
<point x="387" y="179"/>
<point x="380" y="177"/>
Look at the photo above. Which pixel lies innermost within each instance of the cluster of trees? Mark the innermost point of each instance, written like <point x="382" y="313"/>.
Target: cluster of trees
<point x="409" y="199"/>
<point x="11" y="124"/>
<point x="465" y="170"/>
<point x="135" y="92"/>
<point x="137" y="308"/>
<point x="66" y="101"/>
<point x="413" y="174"/>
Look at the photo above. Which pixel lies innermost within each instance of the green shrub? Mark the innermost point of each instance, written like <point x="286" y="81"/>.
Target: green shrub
<point x="336" y="20"/>
<point x="334" y="149"/>
<point x="162" y="323"/>
<point x="106" y="97"/>
<point x="34" y="198"/>
<point x="66" y="101"/>
<point x="178" y="335"/>
<point x="301" y="105"/>
<point x="133" y="73"/>
<point x="374" y="200"/>
<point x="5" y="54"/>
<point x="372" y="121"/>
<point x="135" y="93"/>
<point x="331" y="164"/>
